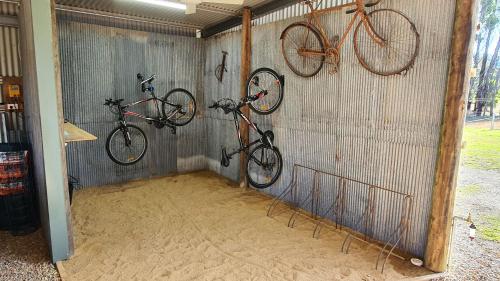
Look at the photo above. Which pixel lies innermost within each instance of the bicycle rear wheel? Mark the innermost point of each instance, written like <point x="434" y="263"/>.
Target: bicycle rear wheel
<point x="126" y="145"/>
<point x="297" y="39"/>
<point x="179" y="107"/>
<point x="400" y="48"/>
<point x="264" y="166"/>
<point x="265" y="85"/>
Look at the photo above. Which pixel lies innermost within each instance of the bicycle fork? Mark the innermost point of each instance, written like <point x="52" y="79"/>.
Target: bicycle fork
<point x="126" y="133"/>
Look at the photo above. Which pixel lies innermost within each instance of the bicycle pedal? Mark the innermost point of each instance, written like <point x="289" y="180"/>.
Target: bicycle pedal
<point x="335" y="40"/>
<point x="333" y="69"/>
<point x="225" y="159"/>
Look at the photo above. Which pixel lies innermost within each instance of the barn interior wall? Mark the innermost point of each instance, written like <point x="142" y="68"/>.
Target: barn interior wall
<point x="100" y="62"/>
<point x="380" y="130"/>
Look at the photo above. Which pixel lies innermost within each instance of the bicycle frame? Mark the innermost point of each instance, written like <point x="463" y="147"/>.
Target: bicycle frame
<point x="124" y="112"/>
<point x="252" y="125"/>
<point x="314" y="22"/>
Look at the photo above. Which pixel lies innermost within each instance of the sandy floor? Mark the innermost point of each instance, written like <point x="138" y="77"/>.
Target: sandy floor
<point x="199" y="227"/>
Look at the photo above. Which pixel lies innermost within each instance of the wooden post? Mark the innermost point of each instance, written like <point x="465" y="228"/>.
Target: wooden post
<point x="44" y="121"/>
<point x="443" y="196"/>
<point x="246" y="55"/>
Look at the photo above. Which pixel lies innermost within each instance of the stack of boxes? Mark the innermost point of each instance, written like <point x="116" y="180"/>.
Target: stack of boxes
<point x="13" y="172"/>
<point x="17" y="196"/>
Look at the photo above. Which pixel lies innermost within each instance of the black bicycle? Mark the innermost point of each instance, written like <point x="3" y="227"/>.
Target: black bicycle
<point x="264" y="161"/>
<point x="127" y="144"/>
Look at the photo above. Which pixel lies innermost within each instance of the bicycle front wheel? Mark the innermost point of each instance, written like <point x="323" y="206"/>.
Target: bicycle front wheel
<point x="126" y="145"/>
<point x="266" y="87"/>
<point x="399" y="49"/>
<point x="303" y="49"/>
<point x="264" y="166"/>
<point x="179" y="107"/>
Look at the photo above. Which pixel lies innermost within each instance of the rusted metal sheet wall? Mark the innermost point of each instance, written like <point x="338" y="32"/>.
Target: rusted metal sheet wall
<point x="220" y="128"/>
<point x="11" y="123"/>
<point x="100" y="62"/>
<point x="380" y="130"/>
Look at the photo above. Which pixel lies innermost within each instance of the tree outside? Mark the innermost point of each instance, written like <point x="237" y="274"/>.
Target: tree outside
<point x="485" y="83"/>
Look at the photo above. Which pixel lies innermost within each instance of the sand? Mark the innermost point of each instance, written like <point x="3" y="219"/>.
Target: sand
<point x="200" y="227"/>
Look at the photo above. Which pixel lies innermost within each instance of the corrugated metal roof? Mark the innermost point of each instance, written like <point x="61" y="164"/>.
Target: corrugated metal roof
<point x="207" y="14"/>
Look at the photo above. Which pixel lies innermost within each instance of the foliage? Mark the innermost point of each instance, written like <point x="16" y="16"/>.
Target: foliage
<point x="490" y="230"/>
<point x="482" y="148"/>
<point x="488" y="15"/>
<point x="469" y="189"/>
<point x="485" y="86"/>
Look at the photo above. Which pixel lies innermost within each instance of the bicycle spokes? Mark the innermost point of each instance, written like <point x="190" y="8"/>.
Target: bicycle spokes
<point x="179" y="107"/>
<point x="264" y="90"/>
<point x="263" y="166"/>
<point x="126" y="145"/>
<point x="303" y="49"/>
<point x="387" y="43"/>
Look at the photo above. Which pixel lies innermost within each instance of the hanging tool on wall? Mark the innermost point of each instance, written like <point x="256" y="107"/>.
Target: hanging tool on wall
<point x="219" y="71"/>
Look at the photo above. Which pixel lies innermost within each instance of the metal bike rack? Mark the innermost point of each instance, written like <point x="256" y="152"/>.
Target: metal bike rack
<point x="347" y="191"/>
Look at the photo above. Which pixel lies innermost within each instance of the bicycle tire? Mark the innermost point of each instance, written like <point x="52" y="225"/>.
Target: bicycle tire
<point x="279" y="100"/>
<point x="253" y="182"/>
<point x="191" y="107"/>
<point x="379" y="22"/>
<point x="308" y="28"/>
<point x="113" y="134"/>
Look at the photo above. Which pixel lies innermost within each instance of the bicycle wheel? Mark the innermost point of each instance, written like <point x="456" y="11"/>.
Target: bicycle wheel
<point x="179" y="107"/>
<point x="266" y="85"/>
<point x="126" y="145"/>
<point x="264" y="166"/>
<point x="295" y="40"/>
<point x="400" y="48"/>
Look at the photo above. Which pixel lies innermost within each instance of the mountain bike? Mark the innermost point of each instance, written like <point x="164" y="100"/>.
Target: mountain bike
<point x="264" y="163"/>
<point x="127" y="144"/>
<point x="385" y="41"/>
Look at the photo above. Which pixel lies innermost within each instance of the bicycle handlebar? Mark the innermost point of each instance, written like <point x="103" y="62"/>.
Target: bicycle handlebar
<point x="227" y="109"/>
<point x="145" y="81"/>
<point x="231" y="105"/>
<point x="111" y="102"/>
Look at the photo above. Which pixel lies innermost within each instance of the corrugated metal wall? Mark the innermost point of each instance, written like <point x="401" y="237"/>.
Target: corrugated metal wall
<point x="381" y="130"/>
<point x="100" y="62"/>
<point x="11" y="124"/>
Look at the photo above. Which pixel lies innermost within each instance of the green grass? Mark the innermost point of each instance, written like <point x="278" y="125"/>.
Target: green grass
<point x="490" y="230"/>
<point x="482" y="148"/>
<point x="469" y="189"/>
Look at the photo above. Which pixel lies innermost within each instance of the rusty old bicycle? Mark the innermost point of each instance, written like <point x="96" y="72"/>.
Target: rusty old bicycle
<point x="385" y="41"/>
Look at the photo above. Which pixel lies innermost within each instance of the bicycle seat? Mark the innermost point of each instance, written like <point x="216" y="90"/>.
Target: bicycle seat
<point x="367" y="5"/>
<point x="149" y="80"/>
